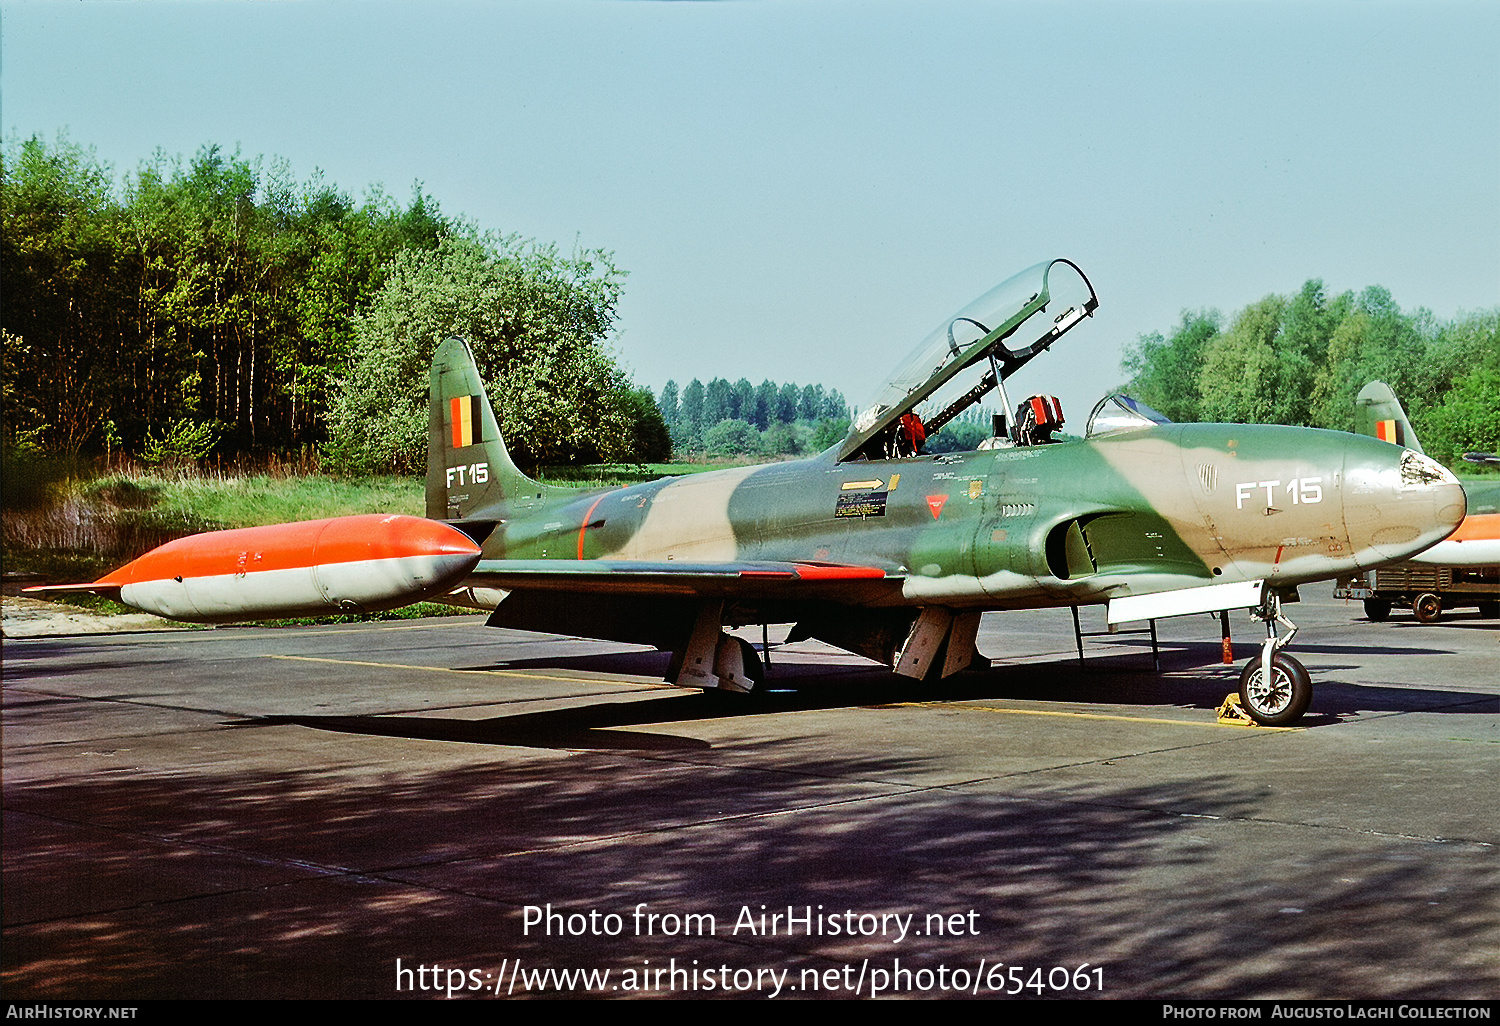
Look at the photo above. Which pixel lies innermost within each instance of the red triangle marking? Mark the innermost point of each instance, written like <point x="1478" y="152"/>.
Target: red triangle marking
<point x="935" y="503"/>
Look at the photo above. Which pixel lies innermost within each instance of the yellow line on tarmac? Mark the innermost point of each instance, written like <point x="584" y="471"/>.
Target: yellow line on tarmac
<point x="495" y="673"/>
<point x="1072" y="715"/>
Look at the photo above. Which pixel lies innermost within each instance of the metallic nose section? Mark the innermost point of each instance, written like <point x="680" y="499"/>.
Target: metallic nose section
<point x="1397" y="502"/>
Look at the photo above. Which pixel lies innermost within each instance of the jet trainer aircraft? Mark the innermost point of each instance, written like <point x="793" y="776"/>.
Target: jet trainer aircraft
<point x="871" y="546"/>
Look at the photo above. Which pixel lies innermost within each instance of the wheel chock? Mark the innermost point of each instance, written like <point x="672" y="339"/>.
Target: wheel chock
<point x="1231" y="713"/>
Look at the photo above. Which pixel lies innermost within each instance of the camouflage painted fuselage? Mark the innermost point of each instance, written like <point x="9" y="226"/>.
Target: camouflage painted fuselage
<point x="1075" y="522"/>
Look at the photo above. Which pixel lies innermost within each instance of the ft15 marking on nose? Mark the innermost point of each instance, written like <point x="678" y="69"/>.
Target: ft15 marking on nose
<point x="1303" y="490"/>
<point x="478" y="473"/>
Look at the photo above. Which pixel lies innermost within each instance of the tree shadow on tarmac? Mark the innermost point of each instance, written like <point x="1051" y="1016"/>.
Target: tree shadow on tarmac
<point x="799" y="685"/>
<point x="191" y="882"/>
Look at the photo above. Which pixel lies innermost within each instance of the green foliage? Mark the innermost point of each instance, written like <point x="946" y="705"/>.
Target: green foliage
<point x="213" y="289"/>
<point x="1239" y="382"/>
<point x="258" y="499"/>
<point x="778" y="417"/>
<point x="62" y="521"/>
<point x="617" y="475"/>
<point x="415" y="611"/>
<point x="687" y="440"/>
<point x="829" y="432"/>
<point x="182" y="441"/>
<point x="21" y="421"/>
<point x="1469" y="418"/>
<point x="782" y="440"/>
<point x="731" y="437"/>
<point x="652" y="441"/>
<point x="1303" y="359"/>
<point x="1165" y="371"/>
<point x="29" y="479"/>
<point x="667" y="404"/>
<point x="702" y="406"/>
<point x="1374" y="341"/>
<point x="537" y="323"/>
<point x="957" y="436"/>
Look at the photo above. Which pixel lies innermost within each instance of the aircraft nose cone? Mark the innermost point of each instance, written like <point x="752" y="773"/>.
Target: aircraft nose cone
<point x="1398" y="502"/>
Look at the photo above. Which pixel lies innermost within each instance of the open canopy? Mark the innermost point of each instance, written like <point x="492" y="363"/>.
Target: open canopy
<point x="1004" y="328"/>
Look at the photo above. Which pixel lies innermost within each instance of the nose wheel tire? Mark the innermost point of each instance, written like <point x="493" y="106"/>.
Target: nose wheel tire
<point x="1281" y="701"/>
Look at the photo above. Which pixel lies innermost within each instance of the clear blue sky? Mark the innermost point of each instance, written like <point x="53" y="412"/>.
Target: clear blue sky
<point x="801" y="191"/>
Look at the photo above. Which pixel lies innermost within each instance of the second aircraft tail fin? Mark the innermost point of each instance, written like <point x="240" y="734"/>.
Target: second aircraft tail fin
<point x="1378" y="413"/>
<point x="470" y="474"/>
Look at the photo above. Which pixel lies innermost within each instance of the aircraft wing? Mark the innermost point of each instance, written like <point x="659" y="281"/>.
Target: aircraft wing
<point x="741" y="579"/>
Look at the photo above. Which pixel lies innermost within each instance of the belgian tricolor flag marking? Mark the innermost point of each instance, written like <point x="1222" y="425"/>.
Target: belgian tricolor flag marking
<point x="1388" y="431"/>
<point x="464" y="414"/>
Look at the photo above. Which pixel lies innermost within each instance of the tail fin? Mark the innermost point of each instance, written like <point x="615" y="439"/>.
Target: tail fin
<point x="469" y="471"/>
<point x="1378" y="413"/>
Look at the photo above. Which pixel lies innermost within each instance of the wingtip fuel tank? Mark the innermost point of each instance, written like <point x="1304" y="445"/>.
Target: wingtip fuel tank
<point x="350" y="564"/>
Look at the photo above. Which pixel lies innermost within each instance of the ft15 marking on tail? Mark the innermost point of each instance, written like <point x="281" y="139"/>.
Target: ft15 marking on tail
<point x="874" y="546"/>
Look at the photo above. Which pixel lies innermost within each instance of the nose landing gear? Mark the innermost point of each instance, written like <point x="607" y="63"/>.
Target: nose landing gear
<point x="1275" y="689"/>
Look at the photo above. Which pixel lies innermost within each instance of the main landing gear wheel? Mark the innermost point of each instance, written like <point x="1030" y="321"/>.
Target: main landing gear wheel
<point x="1376" y="610"/>
<point x="1281" y="701"/>
<point x="1428" y="607"/>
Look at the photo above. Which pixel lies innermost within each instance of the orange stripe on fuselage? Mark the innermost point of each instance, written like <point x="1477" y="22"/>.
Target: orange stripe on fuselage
<point x="585" y="525"/>
<point x="290" y="546"/>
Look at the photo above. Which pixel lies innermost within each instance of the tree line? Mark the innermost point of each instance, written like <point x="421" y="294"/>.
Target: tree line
<point x="1302" y="359"/>
<point x="770" y="419"/>
<point x="219" y="302"/>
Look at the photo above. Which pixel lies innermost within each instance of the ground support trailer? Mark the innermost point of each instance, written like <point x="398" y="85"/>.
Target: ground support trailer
<point x="1428" y="591"/>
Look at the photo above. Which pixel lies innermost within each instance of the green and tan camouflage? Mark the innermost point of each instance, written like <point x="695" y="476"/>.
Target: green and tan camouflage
<point x="880" y="550"/>
<point x="870" y="546"/>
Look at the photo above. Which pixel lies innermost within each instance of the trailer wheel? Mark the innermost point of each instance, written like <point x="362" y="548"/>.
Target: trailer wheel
<point x="1281" y="702"/>
<point x="1377" y="610"/>
<point x="1490" y="610"/>
<point x="1428" y="607"/>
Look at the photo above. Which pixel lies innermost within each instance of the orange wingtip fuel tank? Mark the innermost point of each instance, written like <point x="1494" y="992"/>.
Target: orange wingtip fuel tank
<point x="347" y="564"/>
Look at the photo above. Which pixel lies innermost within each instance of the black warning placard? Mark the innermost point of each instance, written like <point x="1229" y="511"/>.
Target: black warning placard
<point x="860" y="504"/>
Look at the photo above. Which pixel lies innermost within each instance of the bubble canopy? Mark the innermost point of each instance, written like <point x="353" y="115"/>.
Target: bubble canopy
<point x="1008" y="325"/>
